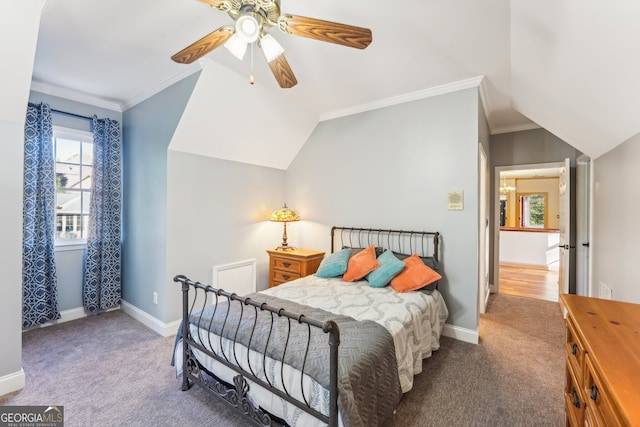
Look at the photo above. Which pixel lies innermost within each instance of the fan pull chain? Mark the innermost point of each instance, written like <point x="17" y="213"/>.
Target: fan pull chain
<point x="251" y="79"/>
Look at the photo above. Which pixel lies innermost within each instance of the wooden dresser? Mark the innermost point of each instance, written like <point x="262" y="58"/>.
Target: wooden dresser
<point x="285" y="266"/>
<point x="603" y="362"/>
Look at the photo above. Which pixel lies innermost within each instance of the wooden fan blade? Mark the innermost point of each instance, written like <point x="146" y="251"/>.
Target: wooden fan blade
<point x="213" y="3"/>
<point x="282" y="72"/>
<point x="326" y="31"/>
<point x="204" y="45"/>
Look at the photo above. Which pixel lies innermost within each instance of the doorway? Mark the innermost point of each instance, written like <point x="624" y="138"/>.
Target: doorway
<point x="527" y="230"/>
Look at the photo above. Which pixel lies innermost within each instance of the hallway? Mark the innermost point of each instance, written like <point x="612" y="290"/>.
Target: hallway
<point x="529" y="282"/>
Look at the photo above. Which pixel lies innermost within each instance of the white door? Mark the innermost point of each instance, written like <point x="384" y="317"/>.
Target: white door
<point x="583" y="224"/>
<point x="483" y="235"/>
<point x="564" y="227"/>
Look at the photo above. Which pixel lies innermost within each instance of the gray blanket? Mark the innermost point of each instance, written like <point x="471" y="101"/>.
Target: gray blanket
<point x="368" y="384"/>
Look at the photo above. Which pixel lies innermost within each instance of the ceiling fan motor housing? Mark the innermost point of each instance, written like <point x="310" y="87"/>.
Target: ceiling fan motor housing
<point x="268" y="10"/>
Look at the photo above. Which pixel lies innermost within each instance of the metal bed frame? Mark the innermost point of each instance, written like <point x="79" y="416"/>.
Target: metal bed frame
<point x="396" y="240"/>
<point x="236" y="394"/>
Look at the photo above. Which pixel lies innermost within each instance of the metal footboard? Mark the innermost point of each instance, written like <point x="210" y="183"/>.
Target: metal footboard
<point x="236" y="396"/>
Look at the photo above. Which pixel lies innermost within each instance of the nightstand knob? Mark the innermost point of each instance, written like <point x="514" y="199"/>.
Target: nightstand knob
<point x="574" y="349"/>
<point x="286" y="264"/>
<point x="285" y="276"/>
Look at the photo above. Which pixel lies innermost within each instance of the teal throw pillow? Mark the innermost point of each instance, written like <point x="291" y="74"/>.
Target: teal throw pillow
<point x="334" y="265"/>
<point x="389" y="268"/>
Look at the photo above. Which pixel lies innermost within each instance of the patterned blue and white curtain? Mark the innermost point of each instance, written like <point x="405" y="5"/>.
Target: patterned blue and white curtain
<point x="39" y="293"/>
<point x="101" y="285"/>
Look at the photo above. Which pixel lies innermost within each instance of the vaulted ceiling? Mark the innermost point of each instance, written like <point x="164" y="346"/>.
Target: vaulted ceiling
<point x="568" y="66"/>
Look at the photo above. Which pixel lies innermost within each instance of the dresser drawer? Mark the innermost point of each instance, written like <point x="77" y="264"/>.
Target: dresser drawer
<point x="575" y="351"/>
<point x="288" y="265"/>
<point x="573" y="399"/>
<point x="589" y="419"/>
<point x="597" y="398"/>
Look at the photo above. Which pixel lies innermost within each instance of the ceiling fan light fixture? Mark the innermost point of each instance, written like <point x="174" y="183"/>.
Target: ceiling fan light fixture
<point x="270" y="47"/>
<point x="249" y="26"/>
<point x="236" y="46"/>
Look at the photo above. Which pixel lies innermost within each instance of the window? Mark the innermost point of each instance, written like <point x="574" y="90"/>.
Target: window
<point x="533" y="208"/>
<point x="73" y="151"/>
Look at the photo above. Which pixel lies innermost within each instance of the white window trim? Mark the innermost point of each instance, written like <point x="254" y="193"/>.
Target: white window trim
<point x="70" y="133"/>
<point x="70" y="245"/>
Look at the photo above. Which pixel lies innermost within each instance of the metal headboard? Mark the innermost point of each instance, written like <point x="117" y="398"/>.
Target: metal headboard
<point x="402" y="241"/>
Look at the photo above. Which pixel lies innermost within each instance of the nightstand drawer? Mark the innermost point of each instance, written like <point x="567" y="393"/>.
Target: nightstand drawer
<point x="285" y="266"/>
<point x="284" y="276"/>
<point x="289" y="265"/>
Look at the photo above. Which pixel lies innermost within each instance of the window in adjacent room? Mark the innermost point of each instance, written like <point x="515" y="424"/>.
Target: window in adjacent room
<point x="73" y="150"/>
<point x="533" y="210"/>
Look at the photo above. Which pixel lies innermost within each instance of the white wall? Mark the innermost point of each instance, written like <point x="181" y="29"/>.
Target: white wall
<point x="530" y="248"/>
<point x="217" y="213"/>
<point x="19" y="23"/>
<point x="616" y="228"/>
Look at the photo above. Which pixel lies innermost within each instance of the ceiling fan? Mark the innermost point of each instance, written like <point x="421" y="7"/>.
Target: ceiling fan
<point x="252" y="20"/>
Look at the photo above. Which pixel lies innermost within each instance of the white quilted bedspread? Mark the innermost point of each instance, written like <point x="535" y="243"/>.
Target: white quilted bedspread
<point x="414" y="319"/>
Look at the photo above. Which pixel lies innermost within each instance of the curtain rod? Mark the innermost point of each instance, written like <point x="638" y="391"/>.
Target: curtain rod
<point x="71" y="114"/>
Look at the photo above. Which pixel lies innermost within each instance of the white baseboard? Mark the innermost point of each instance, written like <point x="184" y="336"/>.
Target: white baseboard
<point x="462" y="334"/>
<point x="163" y="329"/>
<point x="12" y="382"/>
<point x="67" y="316"/>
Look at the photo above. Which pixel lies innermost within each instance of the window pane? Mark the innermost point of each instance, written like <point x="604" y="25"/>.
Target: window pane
<point x="67" y="176"/>
<point x="68" y="202"/>
<point x="74" y="175"/>
<point x="67" y="150"/>
<point x="68" y="226"/>
<point x="86" y="201"/>
<point x="87" y="176"/>
<point x="533" y="211"/>
<point x="87" y="153"/>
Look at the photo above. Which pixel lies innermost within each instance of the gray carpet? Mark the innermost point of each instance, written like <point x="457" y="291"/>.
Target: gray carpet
<point x="110" y="370"/>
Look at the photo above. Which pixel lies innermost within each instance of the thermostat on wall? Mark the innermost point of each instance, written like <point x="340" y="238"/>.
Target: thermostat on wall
<point x="455" y="200"/>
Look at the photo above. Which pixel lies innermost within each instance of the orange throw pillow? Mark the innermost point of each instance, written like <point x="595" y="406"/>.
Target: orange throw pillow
<point x="415" y="275"/>
<point x="361" y="264"/>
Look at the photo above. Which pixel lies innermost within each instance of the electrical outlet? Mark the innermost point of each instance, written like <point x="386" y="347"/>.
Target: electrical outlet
<point x="155" y="298"/>
<point x="605" y="291"/>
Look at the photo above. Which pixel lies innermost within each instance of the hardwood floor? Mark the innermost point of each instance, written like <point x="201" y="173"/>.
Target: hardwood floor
<point x="529" y="282"/>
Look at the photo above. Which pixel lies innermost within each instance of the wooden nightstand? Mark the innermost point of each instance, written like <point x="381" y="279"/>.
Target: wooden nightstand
<point x="285" y="266"/>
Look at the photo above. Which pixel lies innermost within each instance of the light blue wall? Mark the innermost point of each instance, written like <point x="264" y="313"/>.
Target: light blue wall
<point x="148" y="129"/>
<point x="393" y="168"/>
<point x="69" y="263"/>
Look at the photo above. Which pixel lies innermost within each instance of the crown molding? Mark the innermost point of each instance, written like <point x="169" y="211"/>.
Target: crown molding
<point x="162" y="84"/>
<point x="97" y="101"/>
<point x="74" y="95"/>
<point x="407" y="97"/>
